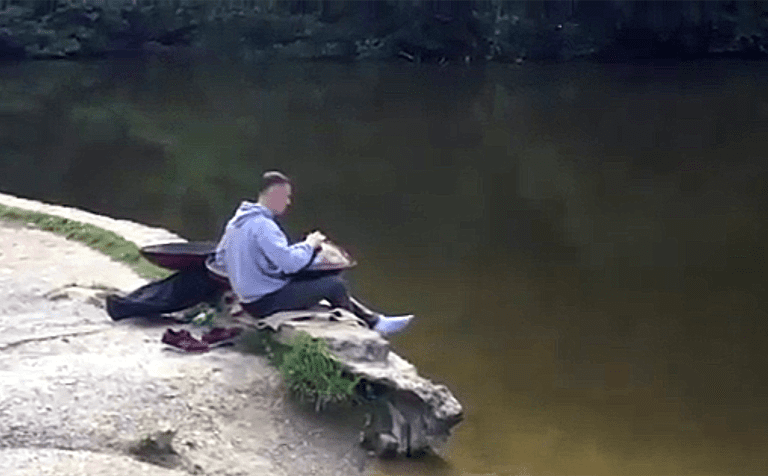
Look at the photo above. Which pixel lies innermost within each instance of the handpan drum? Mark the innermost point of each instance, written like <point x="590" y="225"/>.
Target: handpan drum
<point x="193" y="255"/>
<point x="179" y="256"/>
<point x="331" y="259"/>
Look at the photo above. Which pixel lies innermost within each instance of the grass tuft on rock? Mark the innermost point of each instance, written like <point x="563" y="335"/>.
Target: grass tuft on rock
<point x="313" y="374"/>
<point x="107" y="242"/>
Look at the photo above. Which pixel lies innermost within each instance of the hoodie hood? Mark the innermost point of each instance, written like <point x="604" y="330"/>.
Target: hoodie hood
<point x="247" y="210"/>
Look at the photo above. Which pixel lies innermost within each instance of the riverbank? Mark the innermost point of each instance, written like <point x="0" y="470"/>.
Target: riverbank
<point x="81" y="394"/>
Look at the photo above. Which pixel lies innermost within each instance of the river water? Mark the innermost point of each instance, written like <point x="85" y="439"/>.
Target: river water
<point x="583" y="245"/>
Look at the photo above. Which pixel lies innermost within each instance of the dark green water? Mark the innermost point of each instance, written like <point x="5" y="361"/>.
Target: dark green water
<point x="584" y="245"/>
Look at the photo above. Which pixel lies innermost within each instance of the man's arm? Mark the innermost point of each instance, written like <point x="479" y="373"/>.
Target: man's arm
<point x="274" y="243"/>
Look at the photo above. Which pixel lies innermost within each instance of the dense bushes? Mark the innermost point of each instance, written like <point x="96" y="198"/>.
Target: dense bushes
<point x="437" y="30"/>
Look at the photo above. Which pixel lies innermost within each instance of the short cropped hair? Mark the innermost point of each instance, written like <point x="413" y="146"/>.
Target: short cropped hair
<point x="272" y="177"/>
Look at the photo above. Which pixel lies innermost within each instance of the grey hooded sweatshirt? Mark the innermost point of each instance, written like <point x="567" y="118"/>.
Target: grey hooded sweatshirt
<point x="255" y="255"/>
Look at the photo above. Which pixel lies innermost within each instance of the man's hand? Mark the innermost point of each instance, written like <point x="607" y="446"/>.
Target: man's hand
<point x="315" y="239"/>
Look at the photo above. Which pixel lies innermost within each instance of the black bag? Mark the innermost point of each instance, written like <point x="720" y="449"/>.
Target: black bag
<point x="178" y="291"/>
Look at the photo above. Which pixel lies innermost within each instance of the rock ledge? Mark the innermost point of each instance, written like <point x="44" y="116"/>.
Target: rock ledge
<point x="411" y="414"/>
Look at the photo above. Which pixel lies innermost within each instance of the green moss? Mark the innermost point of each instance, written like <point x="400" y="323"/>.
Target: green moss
<point x="312" y="373"/>
<point x="309" y="370"/>
<point x="107" y="242"/>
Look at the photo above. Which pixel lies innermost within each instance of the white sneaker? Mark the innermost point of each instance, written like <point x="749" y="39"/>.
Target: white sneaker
<point x="387" y="325"/>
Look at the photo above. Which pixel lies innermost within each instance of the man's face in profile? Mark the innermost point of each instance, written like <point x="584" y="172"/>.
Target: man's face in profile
<point x="278" y="197"/>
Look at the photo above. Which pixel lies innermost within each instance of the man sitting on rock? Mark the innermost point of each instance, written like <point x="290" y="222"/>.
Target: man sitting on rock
<point x="264" y="269"/>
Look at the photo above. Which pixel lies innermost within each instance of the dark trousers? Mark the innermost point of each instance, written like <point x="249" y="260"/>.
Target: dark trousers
<point x="187" y="288"/>
<point x="301" y="293"/>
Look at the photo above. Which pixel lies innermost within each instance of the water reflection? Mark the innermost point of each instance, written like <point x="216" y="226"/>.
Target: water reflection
<point x="583" y="244"/>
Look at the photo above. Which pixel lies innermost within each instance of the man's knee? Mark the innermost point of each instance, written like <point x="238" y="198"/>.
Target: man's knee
<point x="335" y="287"/>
